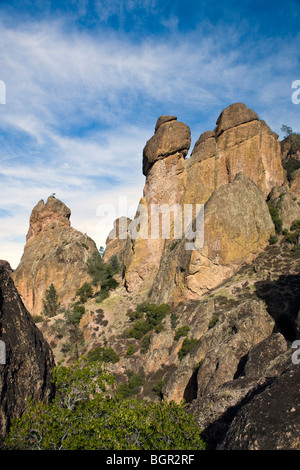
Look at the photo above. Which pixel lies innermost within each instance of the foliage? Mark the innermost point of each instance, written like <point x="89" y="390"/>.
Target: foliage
<point x="148" y="317"/>
<point x="132" y="387"/>
<point x="85" y="292"/>
<point x="114" y="264"/>
<point x="187" y="346"/>
<point x="130" y="350"/>
<point x="157" y="388"/>
<point x="145" y="344"/>
<point x="84" y="417"/>
<point x="213" y="321"/>
<point x="103" y="354"/>
<point x="273" y="239"/>
<point x="182" y="331"/>
<point x="174" y="319"/>
<point x="37" y="318"/>
<point x="274" y="212"/>
<point x="68" y="328"/>
<point x="286" y="130"/>
<point x="51" y="302"/>
<point x="102" y="275"/>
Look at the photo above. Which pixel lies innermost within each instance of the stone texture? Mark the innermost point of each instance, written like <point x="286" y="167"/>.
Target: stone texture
<point x="54" y="253"/>
<point x="233" y="116"/>
<point x="29" y="359"/>
<point x="240" y="143"/>
<point x="270" y="421"/>
<point x="295" y="184"/>
<point x="171" y="137"/>
<point x="288" y="206"/>
<point x="117" y="240"/>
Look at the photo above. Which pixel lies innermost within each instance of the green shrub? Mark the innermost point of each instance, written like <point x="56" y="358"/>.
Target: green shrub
<point x="149" y="317"/>
<point x="51" y="302"/>
<point x="293" y="237"/>
<point x="157" y="388"/>
<point x="182" y="331"/>
<point x="132" y="387"/>
<point x="174" y="319"/>
<point x="145" y="344"/>
<point x="273" y="239"/>
<point x="187" y="346"/>
<point x="274" y="212"/>
<point x="103" y="355"/>
<point x="173" y="245"/>
<point x="130" y="350"/>
<point x="213" y="321"/>
<point x="37" y="318"/>
<point x="83" y="417"/>
<point x="85" y="292"/>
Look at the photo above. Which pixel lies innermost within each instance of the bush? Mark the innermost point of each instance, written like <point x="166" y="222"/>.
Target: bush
<point x="132" y="387"/>
<point x="149" y="317"/>
<point x="273" y="239"/>
<point x="182" y="331"/>
<point x="213" y="321"/>
<point x="130" y="351"/>
<point x="85" y="292"/>
<point x="274" y="212"/>
<point x="51" y="302"/>
<point x="83" y="417"/>
<point x="145" y="344"/>
<point x="187" y="346"/>
<point x="157" y="388"/>
<point x="103" y="355"/>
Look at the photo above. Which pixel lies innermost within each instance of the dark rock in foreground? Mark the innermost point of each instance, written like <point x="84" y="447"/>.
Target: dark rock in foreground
<point x="28" y="358"/>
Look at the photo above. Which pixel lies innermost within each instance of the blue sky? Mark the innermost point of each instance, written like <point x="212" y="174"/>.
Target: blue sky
<point x="86" y="81"/>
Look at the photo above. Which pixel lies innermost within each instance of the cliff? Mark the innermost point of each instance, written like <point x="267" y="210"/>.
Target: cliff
<point x="55" y="253"/>
<point x="26" y="372"/>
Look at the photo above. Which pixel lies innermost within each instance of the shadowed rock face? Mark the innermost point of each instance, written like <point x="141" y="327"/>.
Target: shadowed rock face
<point x="54" y="253"/>
<point x="271" y="420"/>
<point x="29" y="359"/>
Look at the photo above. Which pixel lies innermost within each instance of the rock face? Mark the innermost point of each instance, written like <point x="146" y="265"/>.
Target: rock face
<point x="240" y="146"/>
<point x="287" y="204"/>
<point x="234" y="234"/>
<point x="270" y="421"/>
<point x="117" y="240"/>
<point x="163" y="164"/>
<point x="240" y="143"/>
<point x="29" y="359"/>
<point x="295" y="184"/>
<point x="54" y="253"/>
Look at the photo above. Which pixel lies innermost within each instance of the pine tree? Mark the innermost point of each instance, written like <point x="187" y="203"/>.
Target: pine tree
<point x="51" y="302"/>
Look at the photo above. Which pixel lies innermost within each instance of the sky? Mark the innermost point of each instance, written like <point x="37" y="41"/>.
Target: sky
<point x="83" y="82"/>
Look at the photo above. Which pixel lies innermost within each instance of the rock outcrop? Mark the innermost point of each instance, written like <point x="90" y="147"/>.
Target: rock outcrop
<point x="270" y="421"/>
<point x="234" y="234"/>
<point x="240" y="144"/>
<point x="163" y="164"/>
<point x="55" y="253"/>
<point x="28" y="357"/>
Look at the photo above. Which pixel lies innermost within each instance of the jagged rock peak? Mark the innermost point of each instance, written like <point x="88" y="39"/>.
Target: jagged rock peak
<point x="171" y="137"/>
<point x="233" y="116"/>
<point x="44" y="216"/>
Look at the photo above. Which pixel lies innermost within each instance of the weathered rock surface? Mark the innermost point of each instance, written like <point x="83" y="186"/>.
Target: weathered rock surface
<point x="163" y="163"/>
<point x="117" y="240"/>
<point x="6" y="265"/>
<point x="54" y="253"/>
<point x="171" y="137"/>
<point x="234" y="234"/>
<point x="270" y="421"/>
<point x="295" y="184"/>
<point x="286" y="203"/>
<point x="29" y="359"/>
<point x="240" y="143"/>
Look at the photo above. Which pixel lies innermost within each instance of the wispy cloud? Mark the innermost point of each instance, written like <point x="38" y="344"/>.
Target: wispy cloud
<point x="82" y="104"/>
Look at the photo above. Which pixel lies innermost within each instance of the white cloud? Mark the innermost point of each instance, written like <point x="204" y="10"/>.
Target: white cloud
<point x="80" y="107"/>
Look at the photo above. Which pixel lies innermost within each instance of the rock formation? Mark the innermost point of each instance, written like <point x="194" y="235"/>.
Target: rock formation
<point x="54" y="253"/>
<point x="29" y="359"/>
<point x="240" y="144"/>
